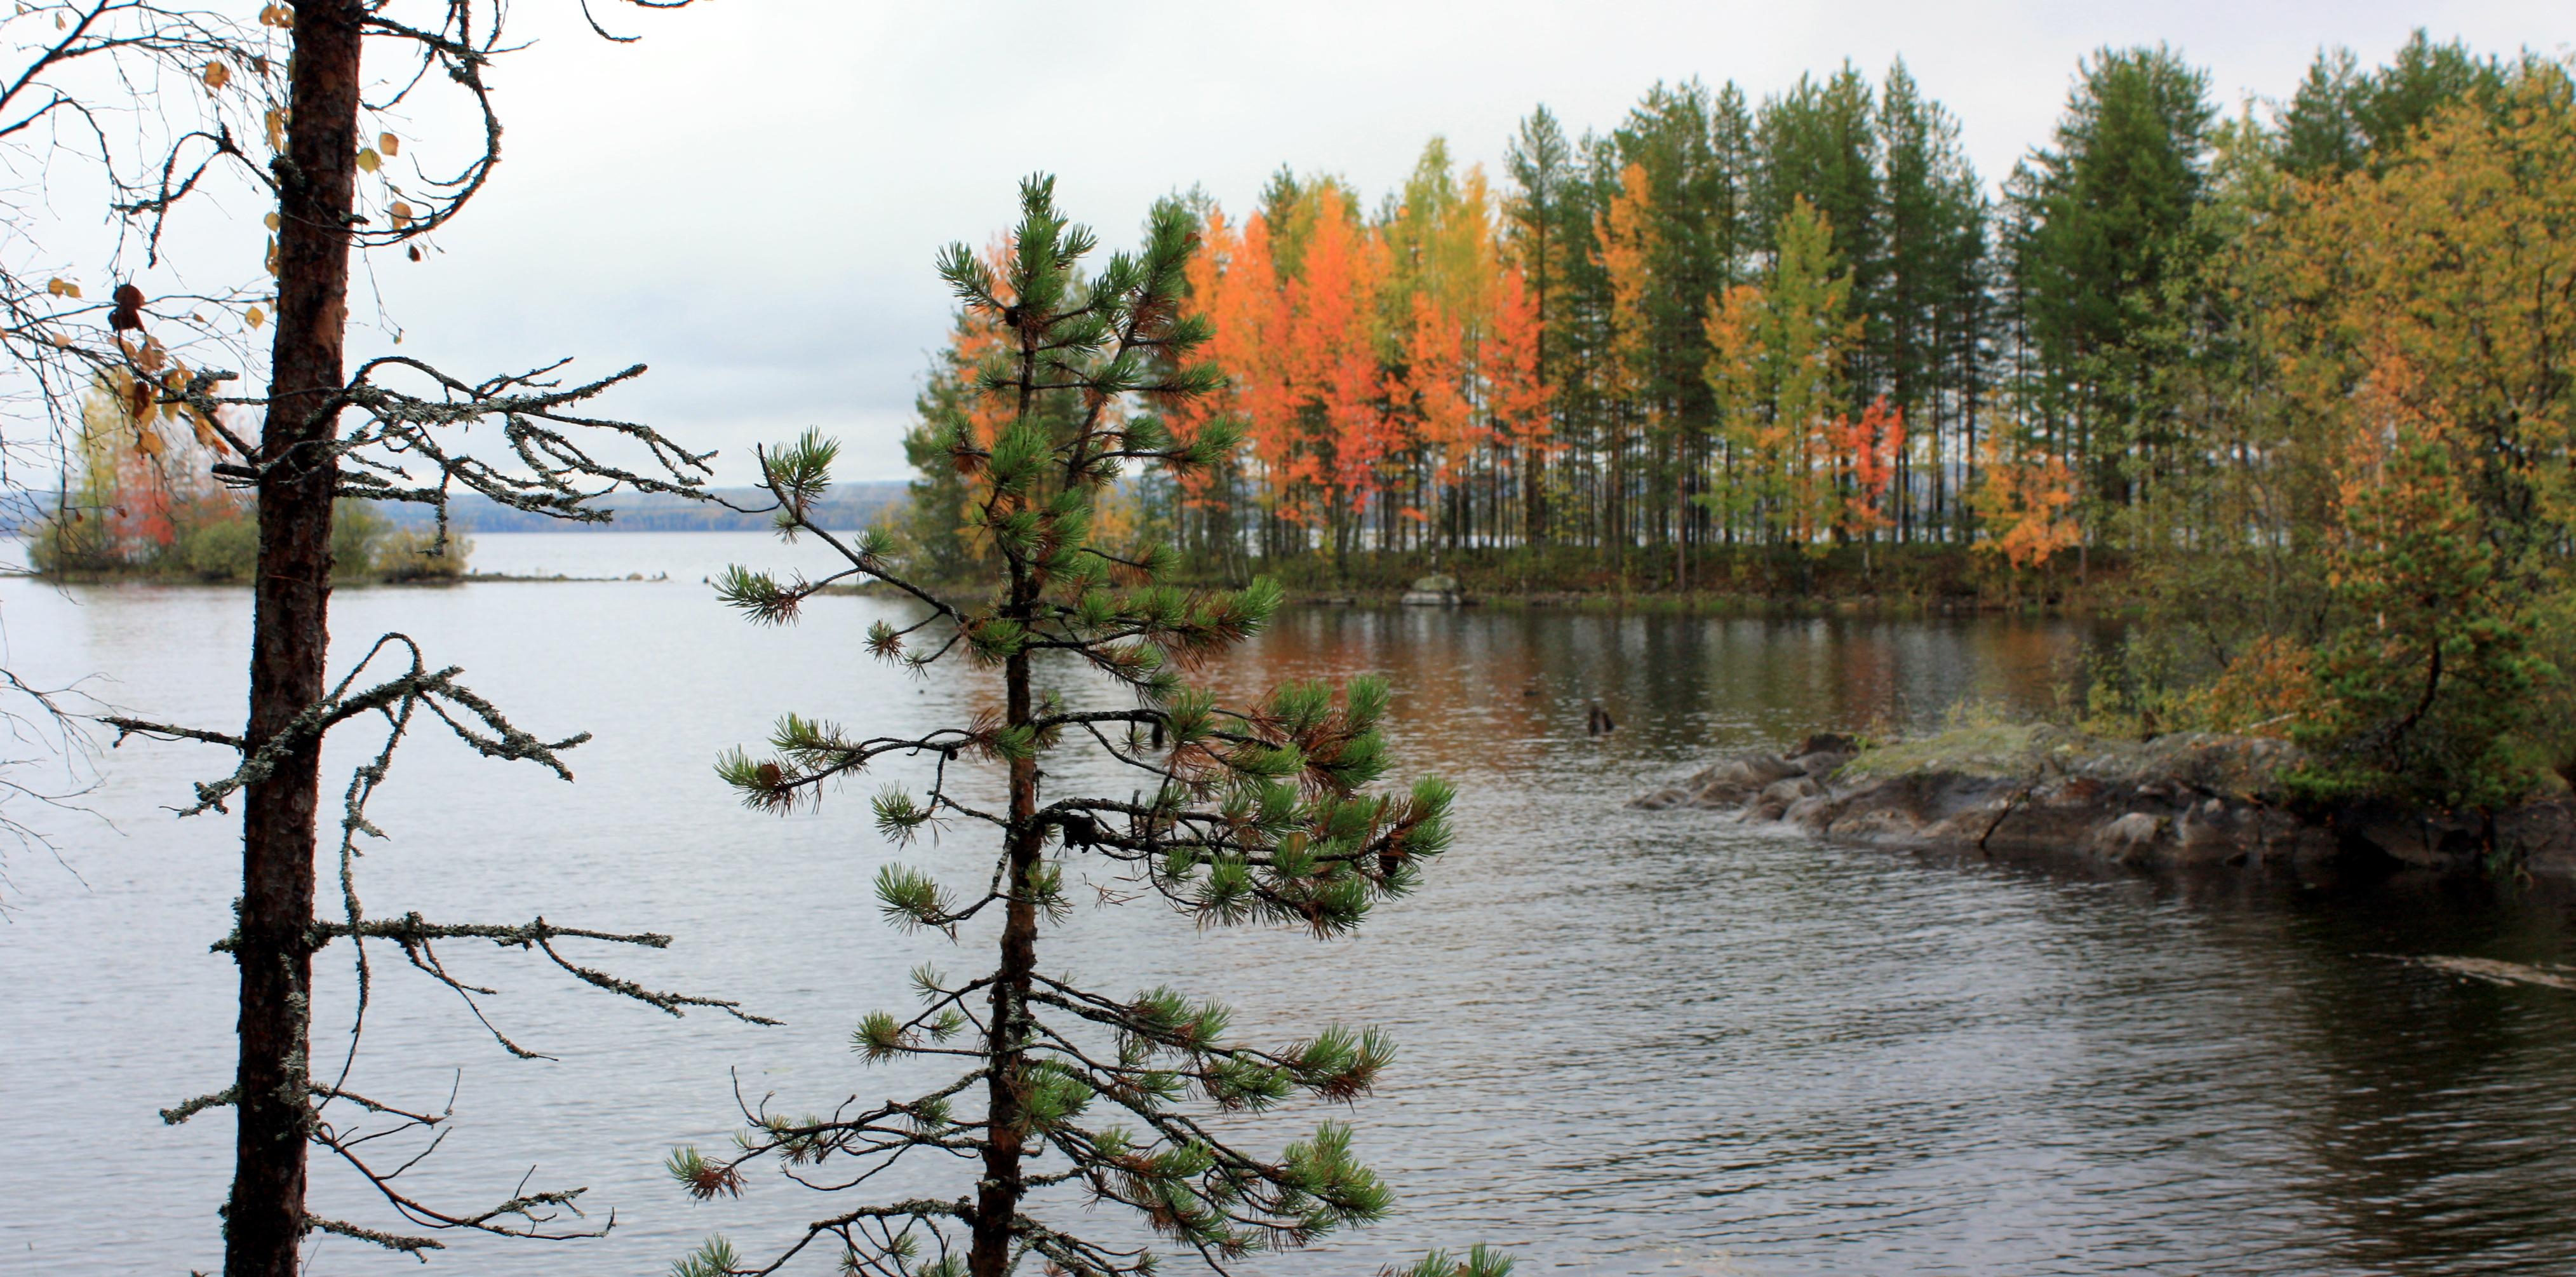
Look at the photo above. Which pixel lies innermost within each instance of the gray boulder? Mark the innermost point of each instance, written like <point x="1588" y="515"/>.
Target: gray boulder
<point x="2188" y="799"/>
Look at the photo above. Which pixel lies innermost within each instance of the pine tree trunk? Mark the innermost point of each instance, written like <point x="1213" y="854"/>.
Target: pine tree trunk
<point x="997" y="1196"/>
<point x="265" y="1220"/>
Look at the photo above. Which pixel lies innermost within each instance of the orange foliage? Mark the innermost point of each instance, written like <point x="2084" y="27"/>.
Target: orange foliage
<point x="1627" y="235"/>
<point x="1332" y="350"/>
<point x="2265" y="691"/>
<point x="1369" y="369"/>
<point x="1432" y="390"/>
<point x="1234" y="285"/>
<point x="1516" y="396"/>
<point x="1866" y="450"/>
<point x="2025" y="503"/>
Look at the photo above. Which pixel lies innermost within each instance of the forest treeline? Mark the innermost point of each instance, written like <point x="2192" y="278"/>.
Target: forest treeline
<point x="143" y="504"/>
<point x="2293" y="381"/>
<point x="1724" y="342"/>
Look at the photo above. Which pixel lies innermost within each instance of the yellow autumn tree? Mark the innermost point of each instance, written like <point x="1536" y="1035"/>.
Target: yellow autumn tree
<point x="1776" y="350"/>
<point x="2414" y="349"/>
<point x="1625" y="231"/>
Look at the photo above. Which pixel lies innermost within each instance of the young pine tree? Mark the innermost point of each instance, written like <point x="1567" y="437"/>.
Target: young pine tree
<point x="1258" y="815"/>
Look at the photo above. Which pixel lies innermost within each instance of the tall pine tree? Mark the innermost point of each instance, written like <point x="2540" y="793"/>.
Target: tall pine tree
<point x="1260" y="814"/>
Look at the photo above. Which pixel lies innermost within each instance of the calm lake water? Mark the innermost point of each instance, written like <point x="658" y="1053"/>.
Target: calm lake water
<point x="1631" y="1042"/>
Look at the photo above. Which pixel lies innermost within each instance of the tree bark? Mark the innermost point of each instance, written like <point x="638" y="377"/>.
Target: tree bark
<point x="997" y="1195"/>
<point x="265" y="1220"/>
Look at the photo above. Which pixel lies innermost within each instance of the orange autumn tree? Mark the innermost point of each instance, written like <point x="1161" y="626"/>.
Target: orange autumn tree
<point x="138" y="483"/>
<point x="1386" y="374"/>
<point x="1517" y="393"/>
<point x="1433" y="396"/>
<point x="2409" y="341"/>
<point x="1234" y="287"/>
<point x="1866" y="450"/>
<point x="2025" y="503"/>
<point x="1330" y="353"/>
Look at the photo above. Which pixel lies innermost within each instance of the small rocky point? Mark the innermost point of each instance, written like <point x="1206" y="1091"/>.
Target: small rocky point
<point x="2039" y="791"/>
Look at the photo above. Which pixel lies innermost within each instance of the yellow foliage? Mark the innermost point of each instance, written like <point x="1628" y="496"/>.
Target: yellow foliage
<point x="2025" y="500"/>
<point x="2265" y="691"/>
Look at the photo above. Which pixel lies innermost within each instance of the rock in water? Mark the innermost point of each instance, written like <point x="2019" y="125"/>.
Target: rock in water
<point x="1436" y="590"/>
<point x="2038" y="790"/>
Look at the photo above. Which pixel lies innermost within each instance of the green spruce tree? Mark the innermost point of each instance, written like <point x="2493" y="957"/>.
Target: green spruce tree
<point x="2106" y="224"/>
<point x="1255" y="815"/>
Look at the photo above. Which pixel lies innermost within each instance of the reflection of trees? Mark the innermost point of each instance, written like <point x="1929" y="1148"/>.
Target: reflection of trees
<point x="2356" y="1114"/>
<point x="1486" y="690"/>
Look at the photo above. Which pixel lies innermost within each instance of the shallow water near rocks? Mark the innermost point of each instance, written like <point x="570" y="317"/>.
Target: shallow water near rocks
<point x="1631" y="1042"/>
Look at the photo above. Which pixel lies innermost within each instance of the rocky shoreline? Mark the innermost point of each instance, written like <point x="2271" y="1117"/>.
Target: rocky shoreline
<point x="2188" y="800"/>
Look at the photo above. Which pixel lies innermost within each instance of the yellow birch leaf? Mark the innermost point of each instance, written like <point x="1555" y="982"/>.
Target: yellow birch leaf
<point x="206" y="432"/>
<point x="401" y="213"/>
<point x="368" y="161"/>
<point x="217" y="75"/>
<point x="272" y="221"/>
<point x="255" y="317"/>
<point x="389" y="144"/>
<point x="148" y="443"/>
<point x="57" y="286"/>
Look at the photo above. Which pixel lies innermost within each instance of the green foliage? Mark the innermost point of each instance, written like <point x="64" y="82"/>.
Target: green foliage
<point x="220" y="549"/>
<point x="1475" y="1262"/>
<point x="717" y="1258"/>
<point x="1255" y="815"/>
<point x="418" y="554"/>
<point x="800" y="473"/>
<point x="2429" y="679"/>
<point x="2373" y="560"/>
<point x="701" y="1178"/>
<point x="357" y="532"/>
<point x="2104" y="226"/>
<point x="215" y="539"/>
<point x="2343" y="118"/>
<point x="758" y="595"/>
<point x="911" y="900"/>
<point x="1479" y="1261"/>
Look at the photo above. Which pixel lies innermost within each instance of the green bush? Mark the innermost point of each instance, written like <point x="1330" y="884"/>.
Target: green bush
<point x="219" y="550"/>
<point x="356" y="533"/>
<point x="416" y="555"/>
<point x="62" y="544"/>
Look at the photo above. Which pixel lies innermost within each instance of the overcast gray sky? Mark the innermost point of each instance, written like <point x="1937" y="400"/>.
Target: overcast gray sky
<point x="749" y="198"/>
